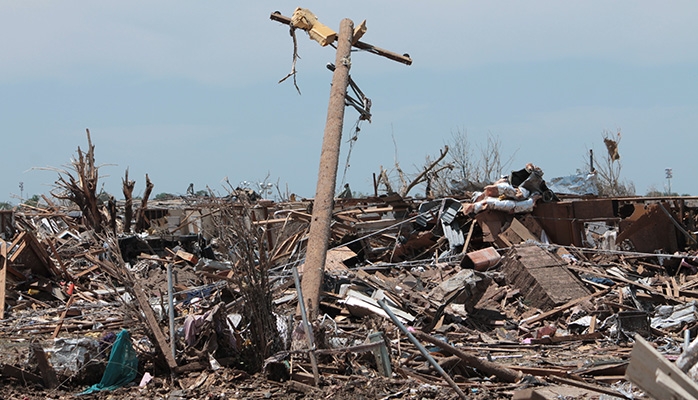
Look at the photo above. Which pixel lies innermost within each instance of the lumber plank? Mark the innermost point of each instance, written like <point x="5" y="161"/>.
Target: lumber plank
<point x="20" y="374"/>
<point x="559" y="309"/>
<point x="152" y="323"/>
<point x="668" y="383"/>
<point x="647" y="364"/>
<point x="48" y="374"/>
<point x="588" y="386"/>
<point x="65" y="312"/>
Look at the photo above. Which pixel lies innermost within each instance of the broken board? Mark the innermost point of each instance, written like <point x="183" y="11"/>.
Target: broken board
<point x="656" y="375"/>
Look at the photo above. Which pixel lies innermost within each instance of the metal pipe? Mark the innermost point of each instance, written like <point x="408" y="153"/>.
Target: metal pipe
<point x="306" y="326"/>
<point x="170" y="306"/>
<point x="422" y="349"/>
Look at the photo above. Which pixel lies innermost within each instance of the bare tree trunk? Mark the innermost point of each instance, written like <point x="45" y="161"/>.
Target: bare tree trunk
<point x="111" y="206"/>
<point x="383" y="177"/>
<point x="141" y="223"/>
<point x="128" y="186"/>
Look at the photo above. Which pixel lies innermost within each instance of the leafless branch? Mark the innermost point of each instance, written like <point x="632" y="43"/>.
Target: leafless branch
<point x="423" y="175"/>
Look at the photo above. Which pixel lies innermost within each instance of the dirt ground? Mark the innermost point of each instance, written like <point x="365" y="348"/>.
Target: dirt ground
<point x="223" y="384"/>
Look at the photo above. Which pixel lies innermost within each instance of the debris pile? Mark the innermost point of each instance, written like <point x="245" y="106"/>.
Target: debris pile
<point x="511" y="291"/>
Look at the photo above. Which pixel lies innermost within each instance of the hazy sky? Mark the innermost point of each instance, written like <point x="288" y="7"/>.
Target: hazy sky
<point x="187" y="91"/>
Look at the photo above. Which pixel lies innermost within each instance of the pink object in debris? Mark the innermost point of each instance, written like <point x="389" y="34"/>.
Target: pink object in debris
<point x="146" y="378"/>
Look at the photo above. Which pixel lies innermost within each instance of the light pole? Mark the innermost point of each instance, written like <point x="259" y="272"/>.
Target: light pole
<point x="669" y="175"/>
<point x="265" y="188"/>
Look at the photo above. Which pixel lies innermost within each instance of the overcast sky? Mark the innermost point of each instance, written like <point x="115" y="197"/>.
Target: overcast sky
<point x="188" y="91"/>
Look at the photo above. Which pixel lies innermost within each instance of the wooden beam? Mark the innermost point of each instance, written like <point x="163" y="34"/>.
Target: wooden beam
<point x="564" y="307"/>
<point x="359" y="31"/>
<point x="672" y="386"/>
<point x="20" y="374"/>
<point x="152" y="322"/>
<point x="502" y="372"/>
<point x="87" y="271"/>
<point x="588" y="386"/>
<point x="656" y="375"/>
<point x="20" y="246"/>
<point x="65" y="312"/>
<point x="48" y="374"/>
<point x="52" y="246"/>
<point x="470" y="236"/>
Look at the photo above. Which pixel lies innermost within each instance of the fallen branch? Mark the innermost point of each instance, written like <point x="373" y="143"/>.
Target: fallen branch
<point x="295" y="58"/>
<point x="502" y="373"/>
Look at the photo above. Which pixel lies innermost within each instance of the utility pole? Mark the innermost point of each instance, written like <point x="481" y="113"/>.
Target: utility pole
<point x="319" y="235"/>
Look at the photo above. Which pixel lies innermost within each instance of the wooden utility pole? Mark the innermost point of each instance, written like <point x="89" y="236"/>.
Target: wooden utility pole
<point x="319" y="235"/>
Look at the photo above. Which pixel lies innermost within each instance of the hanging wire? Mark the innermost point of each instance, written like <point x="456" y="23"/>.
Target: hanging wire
<point x="351" y="141"/>
<point x="362" y="104"/>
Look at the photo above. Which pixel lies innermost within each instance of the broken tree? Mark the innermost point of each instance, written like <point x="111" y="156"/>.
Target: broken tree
<point x="82" y="188"/>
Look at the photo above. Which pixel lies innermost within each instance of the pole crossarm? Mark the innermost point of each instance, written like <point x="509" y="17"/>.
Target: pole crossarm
<point x="401" y="58"/>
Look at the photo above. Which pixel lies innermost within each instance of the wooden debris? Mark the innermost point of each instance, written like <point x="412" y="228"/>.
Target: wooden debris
<point x="503" y="373"/>
<point x="48" y="375"/>
<point x="153" y="326"/>
<point x="60" y="321"/>
<point x="564" y="312"/>
<point x="21" y="375"/>
<point x="657" y="376"/>
<point x="542" y="277"/>
<point x="3" y="278"/>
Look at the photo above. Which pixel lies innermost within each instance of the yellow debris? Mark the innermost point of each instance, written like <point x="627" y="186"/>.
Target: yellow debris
<point x="304" y="19"/>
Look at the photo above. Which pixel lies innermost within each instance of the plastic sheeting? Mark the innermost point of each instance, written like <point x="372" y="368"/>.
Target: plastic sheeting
<point x="122" y="367"/>
<point x="514" y="194"/>
<point x="580" y="184"/>
<point x="671" y="317"/>
<point x="512" y="206"/>
<point x="68" y="356"/>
